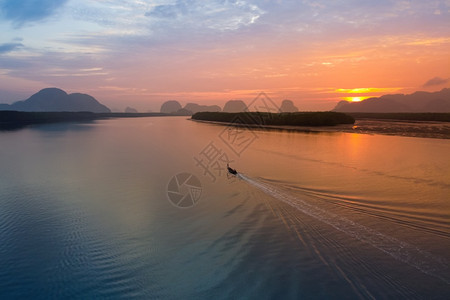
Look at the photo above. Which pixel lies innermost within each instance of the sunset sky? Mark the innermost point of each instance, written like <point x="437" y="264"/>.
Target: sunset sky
<point x="141" y="53"/>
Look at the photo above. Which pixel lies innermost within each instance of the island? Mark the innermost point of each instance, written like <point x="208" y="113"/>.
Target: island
<point x="325" y="118"/>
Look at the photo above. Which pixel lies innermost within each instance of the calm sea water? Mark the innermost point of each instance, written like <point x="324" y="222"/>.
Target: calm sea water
<point x="85" y="213"/>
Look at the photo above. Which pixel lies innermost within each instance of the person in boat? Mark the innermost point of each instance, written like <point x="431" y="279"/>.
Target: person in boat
<point x="231" y="170"/>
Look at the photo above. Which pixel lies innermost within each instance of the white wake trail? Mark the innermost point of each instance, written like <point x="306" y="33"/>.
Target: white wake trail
<point x="413" y="256"/>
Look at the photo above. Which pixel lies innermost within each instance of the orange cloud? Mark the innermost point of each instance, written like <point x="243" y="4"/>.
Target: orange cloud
<point x="367" y="90"/>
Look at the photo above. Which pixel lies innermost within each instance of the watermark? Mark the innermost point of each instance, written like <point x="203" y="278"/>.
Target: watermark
<point x="237" y="136"/>
<point x="184" y="190"/>
<point x="212" y="161"/>
<point x="263" y="103"/>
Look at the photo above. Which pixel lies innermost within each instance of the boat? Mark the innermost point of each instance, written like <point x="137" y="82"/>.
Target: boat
<point x="231" y="170"/>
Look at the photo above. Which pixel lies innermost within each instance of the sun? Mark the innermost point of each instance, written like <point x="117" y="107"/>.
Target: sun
<point x="356" y="99"/>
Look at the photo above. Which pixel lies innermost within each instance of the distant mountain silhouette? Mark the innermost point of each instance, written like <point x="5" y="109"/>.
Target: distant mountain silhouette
<point x="416" y="102"/>
<point x="195" y="108"/>
<point x="130" y="110"/>
<point x="183" y="112"/>
<point x="174" y="107"/>
<point x="235" y="106"/>
<point x="170" y="107"/>
<point x="57" y="100"/>
<point x="288" y="106"/>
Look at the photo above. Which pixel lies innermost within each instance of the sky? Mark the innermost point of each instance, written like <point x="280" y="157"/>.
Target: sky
<point x="141" y="53"/>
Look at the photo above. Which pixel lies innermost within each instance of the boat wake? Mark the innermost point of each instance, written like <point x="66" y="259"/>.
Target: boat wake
<point x="422" y="260"/>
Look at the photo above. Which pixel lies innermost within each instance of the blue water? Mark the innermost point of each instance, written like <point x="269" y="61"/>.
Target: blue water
<point x="85" y="213"/>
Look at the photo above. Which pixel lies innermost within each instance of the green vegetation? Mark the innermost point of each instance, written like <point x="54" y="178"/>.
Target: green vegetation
<point x="436" y="117"/>
<point x="287" y="119"/>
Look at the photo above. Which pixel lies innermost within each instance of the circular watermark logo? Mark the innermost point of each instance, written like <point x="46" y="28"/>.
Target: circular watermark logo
<point x="184" y="190"/>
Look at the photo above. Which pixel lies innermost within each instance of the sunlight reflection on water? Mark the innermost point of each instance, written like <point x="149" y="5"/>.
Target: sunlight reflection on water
<point x="84" y="213"/>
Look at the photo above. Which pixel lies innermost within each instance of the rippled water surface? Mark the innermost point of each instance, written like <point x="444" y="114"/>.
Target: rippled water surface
<point x="85" y="213"/>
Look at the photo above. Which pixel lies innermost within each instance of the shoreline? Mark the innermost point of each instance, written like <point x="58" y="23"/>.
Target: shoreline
<point x="279" y="127"/>
<point x="403" y="128"/>
<point x="13" y="120"/>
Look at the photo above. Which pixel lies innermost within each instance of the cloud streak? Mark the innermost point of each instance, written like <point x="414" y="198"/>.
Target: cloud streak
<point x="25" y="11"/>
<point x="436" y="81"/>
<point x="216" y="15"/>
<point x="9" y="47"/>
